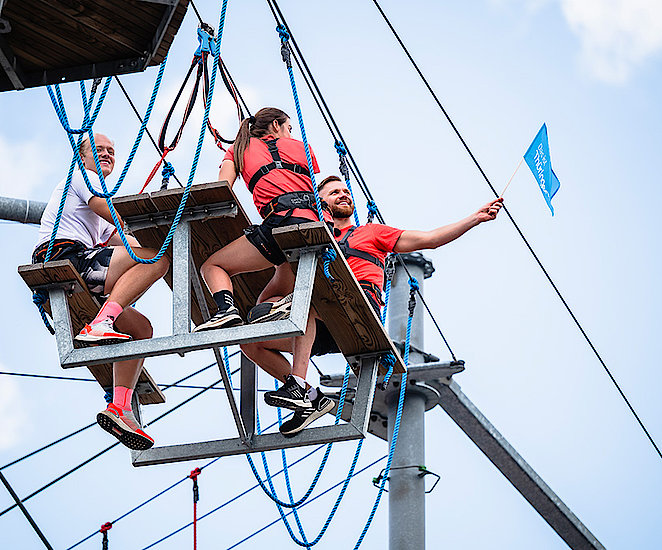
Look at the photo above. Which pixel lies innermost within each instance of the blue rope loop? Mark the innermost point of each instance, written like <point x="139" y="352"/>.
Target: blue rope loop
<point x="329" y="255"/>
<point x="39" y="297"/>
<point x="372" y="210"/>
<point x="108" y="396"/>
<point x="166" y="173"/>
<point x="280" y="504"/>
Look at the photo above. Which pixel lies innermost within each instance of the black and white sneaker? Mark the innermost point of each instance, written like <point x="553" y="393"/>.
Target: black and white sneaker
<point x="320" y="406"/>
<point x="271" y="311"/>
<point x="228" y="318"/>
<point x="290" y="396"/>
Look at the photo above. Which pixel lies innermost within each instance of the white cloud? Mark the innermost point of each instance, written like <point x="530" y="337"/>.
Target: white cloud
<point x="12" y="413"/>
<point x="617" y="36"/>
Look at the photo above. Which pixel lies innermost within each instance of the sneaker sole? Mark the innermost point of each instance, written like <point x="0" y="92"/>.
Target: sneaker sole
<point x="308" y="421"/>
<point x="272" y="316"/>
<point x="100" y="340"/>
<point x="283" y="402"/>
<point x="225" y="323"/>
<point x="127" y="438"/>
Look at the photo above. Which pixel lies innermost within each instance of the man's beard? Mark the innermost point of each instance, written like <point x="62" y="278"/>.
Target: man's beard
<point x="342" y="211"/>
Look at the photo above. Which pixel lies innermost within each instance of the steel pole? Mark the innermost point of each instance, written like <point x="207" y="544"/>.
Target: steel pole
<point x="21" y="210"/>
<point x="406" y="488"/>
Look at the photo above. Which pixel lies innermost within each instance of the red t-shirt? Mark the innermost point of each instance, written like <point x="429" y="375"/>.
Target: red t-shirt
<point x="278" y="181"/>
<point x="375" y="239"/>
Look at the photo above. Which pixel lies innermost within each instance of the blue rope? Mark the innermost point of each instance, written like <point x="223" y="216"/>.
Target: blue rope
<point x="39" y="297"/>
<point x="344" y="170"/>
<point x="387" y="360"/>
<point x="286" y="53"/>
<point x="272" y="494"/>
<point x="329" y="255"/>
<point x="88" y="122"/>
<point x="413" y="284"/>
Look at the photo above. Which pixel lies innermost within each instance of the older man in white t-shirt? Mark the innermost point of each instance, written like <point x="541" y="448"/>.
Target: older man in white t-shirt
<point x="87" y="237"/>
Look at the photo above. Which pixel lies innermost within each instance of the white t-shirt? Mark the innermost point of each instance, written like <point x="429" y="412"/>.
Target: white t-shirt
<point x="78" y="221"/>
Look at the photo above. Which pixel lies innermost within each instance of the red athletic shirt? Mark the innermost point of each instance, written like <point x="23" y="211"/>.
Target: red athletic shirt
<point x="278" y="181"/>
<point x="376" y="239"/>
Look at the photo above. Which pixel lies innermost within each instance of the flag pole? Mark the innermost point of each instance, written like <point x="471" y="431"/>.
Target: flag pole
<point x="511" y="177"/>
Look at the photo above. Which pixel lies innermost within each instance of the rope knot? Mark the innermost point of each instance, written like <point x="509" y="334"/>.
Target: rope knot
<point x="285" y="52"/>
<point x="195" y="473"/>
<point x="340" y="148"/>
<point x="106" y="527"/>
<point x="413" y="288"/>
<point x="329" y="255"/>
<point x="39" y="297"/>
<point x="387" y="360"/>
<point x="168" y="170"/>
<point x="372" y="210"/>
<point x="283" y="32"/>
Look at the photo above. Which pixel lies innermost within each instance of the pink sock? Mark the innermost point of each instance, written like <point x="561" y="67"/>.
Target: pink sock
<point x="110" y="310"/>
<point x="122" y="398"/>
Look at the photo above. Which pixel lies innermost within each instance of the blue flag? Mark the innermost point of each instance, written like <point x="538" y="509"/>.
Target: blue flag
<point x="538" y="159"/>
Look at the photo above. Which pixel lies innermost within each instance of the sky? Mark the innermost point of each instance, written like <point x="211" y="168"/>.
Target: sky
<point x="591" y="70"/>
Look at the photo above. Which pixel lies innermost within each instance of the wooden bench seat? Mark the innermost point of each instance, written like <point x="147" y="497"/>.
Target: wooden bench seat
<point x="207" y="236"/>
<point x="83" y="307"/>
<point x="340" y="301"/>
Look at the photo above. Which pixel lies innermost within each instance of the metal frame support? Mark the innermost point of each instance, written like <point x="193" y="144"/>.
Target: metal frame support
<point x="355" y="429"/>
<point x="184" y="341"/>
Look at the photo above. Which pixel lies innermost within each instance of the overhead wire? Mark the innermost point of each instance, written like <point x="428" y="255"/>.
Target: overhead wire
<point x="16" y="461"/>
<point x="519" y="231"/>
<point x="103" y="451"/>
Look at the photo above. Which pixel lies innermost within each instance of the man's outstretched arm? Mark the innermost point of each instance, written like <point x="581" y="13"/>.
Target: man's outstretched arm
<point x="411" y="241"/>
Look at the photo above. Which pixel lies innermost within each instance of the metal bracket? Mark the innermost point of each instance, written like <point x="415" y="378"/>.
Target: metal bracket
<point x="190" y="214"/>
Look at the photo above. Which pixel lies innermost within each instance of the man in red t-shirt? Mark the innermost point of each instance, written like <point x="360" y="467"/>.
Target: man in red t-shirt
<point x="365" y="248"/>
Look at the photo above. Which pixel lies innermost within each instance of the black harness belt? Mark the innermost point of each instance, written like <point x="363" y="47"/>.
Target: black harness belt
<point x="277" y="164"/>
<point x="349" y="251"/>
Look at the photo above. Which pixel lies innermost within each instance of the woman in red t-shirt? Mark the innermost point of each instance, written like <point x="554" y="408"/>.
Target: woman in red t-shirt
<point x="274" y="167"/>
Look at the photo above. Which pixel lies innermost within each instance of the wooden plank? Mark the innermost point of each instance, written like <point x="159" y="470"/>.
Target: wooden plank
<point x="207" y="236"/>
<point x="341" y="302"/>
<point x="83" y="307"/>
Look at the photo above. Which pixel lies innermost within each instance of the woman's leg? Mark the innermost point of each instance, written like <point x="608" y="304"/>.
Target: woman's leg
<point x="240" y="256"/>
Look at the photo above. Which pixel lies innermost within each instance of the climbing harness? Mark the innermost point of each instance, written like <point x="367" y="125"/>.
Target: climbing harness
<point x="276" y="164"/>
<point x="349" y="251"/>
<point x="288" y="202"/>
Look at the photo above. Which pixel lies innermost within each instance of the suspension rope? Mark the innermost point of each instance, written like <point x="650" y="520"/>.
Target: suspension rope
<point x="104" y="533"/>
<point x="285" y="52"/>
<point x="196" y="497"/>
<point x="329" y="255"/>
<point x="342" y="153"/>
<point x="519" y="231"/>
<point x="334" y="129"/>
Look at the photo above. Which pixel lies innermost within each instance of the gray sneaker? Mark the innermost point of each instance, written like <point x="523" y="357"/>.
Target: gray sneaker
<point x="228" y="318"/>
<point x="320" y="406"/>
<point x="271" y="311"/>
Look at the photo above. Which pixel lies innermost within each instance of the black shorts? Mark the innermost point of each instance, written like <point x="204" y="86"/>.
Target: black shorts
<point x="91" y="263"/>
<point x="324" y="342"/>
<point x="260" y="236"/>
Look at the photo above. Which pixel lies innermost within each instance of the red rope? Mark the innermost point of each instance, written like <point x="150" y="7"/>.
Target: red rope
<point x="196" y="496"/>
<point x="155" y="169"/>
